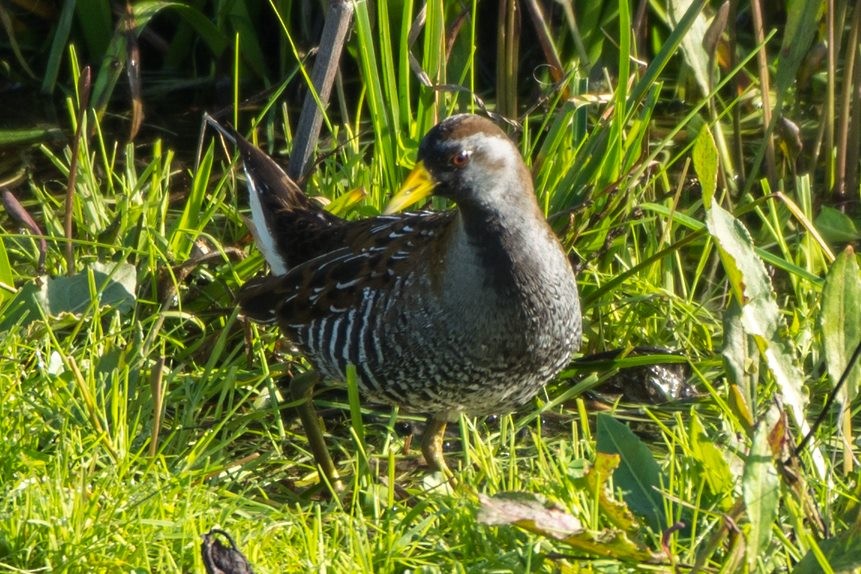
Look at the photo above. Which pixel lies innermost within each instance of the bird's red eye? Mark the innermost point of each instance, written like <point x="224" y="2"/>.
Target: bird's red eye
<point x="460" y="159"/>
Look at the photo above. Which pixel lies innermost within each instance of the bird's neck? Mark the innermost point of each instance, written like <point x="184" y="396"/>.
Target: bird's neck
<point x="515" y="239"/>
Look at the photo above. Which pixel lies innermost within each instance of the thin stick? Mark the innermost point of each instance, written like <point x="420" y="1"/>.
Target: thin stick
<point x="338" y="18"/>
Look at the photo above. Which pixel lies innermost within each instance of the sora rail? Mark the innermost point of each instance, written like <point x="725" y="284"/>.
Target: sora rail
<point x="470" y="310"/>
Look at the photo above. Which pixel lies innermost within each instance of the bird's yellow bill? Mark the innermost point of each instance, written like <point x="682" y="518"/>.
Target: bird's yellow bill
<point x="418" y="186"/>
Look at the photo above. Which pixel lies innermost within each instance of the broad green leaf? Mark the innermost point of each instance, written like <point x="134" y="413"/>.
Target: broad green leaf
<point x="638" y="475"/>
<point x="740" y="406"/>
<point x="835" y="226"/>
<point x="114" y="284"/>
<point x="706" y="164"/>
<point x="760" y="491"/>
<point x="746" y="272"/>
<point x="760" y="314"/>
<point x="736" y="351"/>
<point x="841" y="322"/>
<point x="741" y="360"/>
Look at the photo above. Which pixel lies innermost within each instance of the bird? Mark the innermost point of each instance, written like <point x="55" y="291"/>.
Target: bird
<point x="470" y="310"/>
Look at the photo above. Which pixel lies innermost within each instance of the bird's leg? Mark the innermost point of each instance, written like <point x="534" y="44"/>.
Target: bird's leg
<point x="301" y="389"/>
<point x="432" y="440"/>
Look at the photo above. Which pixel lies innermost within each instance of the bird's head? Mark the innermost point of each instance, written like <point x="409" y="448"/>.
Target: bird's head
<point x="468" y="159"/>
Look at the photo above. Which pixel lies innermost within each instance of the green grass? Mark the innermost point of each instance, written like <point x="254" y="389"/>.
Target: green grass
<point x="138" y="410"/>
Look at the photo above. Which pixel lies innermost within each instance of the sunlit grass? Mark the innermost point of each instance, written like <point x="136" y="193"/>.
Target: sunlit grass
<point x="138" y="421"/>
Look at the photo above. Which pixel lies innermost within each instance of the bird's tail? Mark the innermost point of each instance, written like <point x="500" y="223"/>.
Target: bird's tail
<point x="277" y="203"/>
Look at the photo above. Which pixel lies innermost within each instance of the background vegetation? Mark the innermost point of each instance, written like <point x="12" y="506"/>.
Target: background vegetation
<point x="700" y="161"/>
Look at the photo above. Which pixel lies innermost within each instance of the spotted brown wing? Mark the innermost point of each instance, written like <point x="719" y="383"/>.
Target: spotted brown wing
<point x="375" y="253"/>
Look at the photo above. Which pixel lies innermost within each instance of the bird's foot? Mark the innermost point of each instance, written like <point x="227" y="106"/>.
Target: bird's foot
<point x="432" y="449"/>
